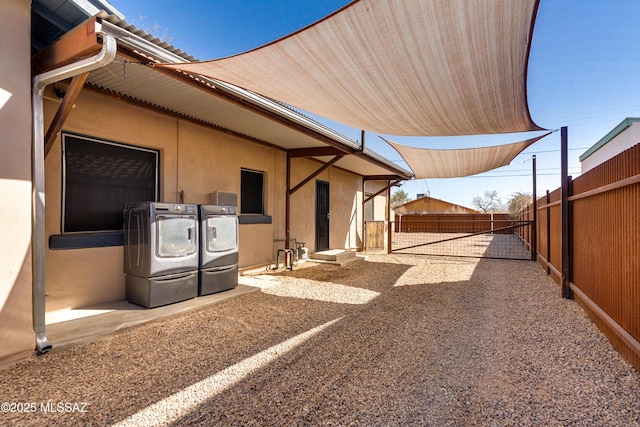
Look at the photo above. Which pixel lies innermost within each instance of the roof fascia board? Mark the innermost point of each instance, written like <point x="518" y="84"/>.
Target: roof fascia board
<point x="625" y="124"/>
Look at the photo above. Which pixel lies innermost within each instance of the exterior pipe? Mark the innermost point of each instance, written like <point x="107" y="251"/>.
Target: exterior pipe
<point x="39" y="83"/>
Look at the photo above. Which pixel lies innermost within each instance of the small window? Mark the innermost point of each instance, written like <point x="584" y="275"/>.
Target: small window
<point x="99" y="177"/>
<point x="251" y="192"/>
<point x="368" y="208"/>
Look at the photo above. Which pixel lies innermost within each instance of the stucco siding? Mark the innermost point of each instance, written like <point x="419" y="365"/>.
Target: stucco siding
<point x="16" y="331"/>
<point x="197" y="161"/>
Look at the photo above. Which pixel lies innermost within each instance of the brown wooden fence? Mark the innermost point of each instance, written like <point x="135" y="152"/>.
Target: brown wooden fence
<point x="454" y="223"/>
<point x="604" y="246"/>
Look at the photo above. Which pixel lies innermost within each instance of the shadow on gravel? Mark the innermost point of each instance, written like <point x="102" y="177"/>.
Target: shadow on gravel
<point x="497" y="348"/>
<point x="500" y="348"/>
<point x="376" y="276"/>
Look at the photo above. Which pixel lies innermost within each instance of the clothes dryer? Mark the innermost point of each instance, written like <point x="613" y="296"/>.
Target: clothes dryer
<point x="218" y="270"/>
<point x="160" y="252"/>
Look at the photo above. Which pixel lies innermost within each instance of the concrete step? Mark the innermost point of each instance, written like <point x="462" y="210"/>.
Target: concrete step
<point x="334" y="256"/>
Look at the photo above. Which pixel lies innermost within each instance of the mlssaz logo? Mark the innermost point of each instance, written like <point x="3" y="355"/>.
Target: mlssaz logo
<point x="63" y="407"/>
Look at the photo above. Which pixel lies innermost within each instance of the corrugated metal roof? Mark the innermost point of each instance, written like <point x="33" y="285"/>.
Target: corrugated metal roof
<point x="147" y="85"/>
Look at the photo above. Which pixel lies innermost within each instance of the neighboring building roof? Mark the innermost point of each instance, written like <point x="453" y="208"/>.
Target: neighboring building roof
<point x="428" y="204"/>
<point x="625" y="124"/>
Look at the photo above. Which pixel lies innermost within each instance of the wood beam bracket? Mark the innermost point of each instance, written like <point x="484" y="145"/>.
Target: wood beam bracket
<point x="316" y="173"/>
<point x="64" y="110"/>
<point x="387" y="187"/>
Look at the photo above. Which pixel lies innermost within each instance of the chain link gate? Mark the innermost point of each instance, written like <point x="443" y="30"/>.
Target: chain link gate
<point x="464" y="235"/>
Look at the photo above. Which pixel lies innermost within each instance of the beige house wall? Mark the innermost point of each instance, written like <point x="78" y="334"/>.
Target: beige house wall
<point x="17" y="339"/>
<point x="82" y="277"/>
<point x="197" y="161"/>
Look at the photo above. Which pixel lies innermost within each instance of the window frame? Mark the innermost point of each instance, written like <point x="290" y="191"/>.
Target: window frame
<point x="250" y="217"/>
<point x="64" y="176"/>
<point x="244" y="171"/>
<point x="369" y="208"/>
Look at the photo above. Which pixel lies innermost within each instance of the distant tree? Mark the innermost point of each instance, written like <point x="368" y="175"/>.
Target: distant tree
<point x="154" y="30"/>
<point x="518" y="203"/>
<point x="398" y="198"/>
<point x="488" y="203"/>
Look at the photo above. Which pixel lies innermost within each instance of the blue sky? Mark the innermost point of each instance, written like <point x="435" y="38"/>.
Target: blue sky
<point x="583" y="74"/>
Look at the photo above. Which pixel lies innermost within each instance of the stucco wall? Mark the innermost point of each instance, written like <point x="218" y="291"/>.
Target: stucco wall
<point x="16" y="330"/>
<point x="198" y="161"/>
<point x="82" y="277"/>
<point x="211" y="161"/>
<point x="345" y="205"/>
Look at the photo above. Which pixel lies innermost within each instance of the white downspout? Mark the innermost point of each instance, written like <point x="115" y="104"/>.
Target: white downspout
<point x="39" y="83"/>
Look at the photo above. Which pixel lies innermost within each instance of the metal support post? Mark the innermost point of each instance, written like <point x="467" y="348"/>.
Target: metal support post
<point x="565" y="212"/>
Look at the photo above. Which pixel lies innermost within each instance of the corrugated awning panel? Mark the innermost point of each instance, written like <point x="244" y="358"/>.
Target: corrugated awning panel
<point x="431" y="163"/>
<point x="410" y="67"/>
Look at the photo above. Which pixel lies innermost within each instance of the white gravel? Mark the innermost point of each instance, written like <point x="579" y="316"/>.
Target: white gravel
<point x="394" y="340"/>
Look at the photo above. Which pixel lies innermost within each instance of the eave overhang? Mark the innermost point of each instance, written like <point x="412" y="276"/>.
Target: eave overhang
<point x="133" y="78"/>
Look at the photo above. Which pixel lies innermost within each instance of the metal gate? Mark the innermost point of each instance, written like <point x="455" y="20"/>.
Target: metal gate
<point x="463" y="235"/>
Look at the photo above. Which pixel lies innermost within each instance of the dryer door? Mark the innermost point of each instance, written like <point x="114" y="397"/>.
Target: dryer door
<point x="176" y="235"/>
<point x="222" y="233"/>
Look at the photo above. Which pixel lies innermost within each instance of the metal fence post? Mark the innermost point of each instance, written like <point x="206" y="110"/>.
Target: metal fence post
<point x="534" y="224"/>
<point x="565" y="212"/>
<point x="548" y="212"/>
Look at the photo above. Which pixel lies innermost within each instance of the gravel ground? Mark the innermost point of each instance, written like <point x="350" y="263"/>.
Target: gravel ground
<point x="394" y="340"/>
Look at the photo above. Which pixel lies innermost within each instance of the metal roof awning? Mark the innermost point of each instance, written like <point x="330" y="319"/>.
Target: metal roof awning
<point x="132" y="77"/>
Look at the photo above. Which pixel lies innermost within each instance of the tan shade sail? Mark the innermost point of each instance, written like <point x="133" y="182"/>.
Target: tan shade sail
<point x="399" y="67"/>
<point x="430" y="163"/>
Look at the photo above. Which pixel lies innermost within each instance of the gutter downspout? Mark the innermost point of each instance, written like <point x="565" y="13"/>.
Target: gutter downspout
<point x="39" y="83"/>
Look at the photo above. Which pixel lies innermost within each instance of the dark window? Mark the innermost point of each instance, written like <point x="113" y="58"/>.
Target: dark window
<point x="99" y="177"/>
<point x="251" y="192"/>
